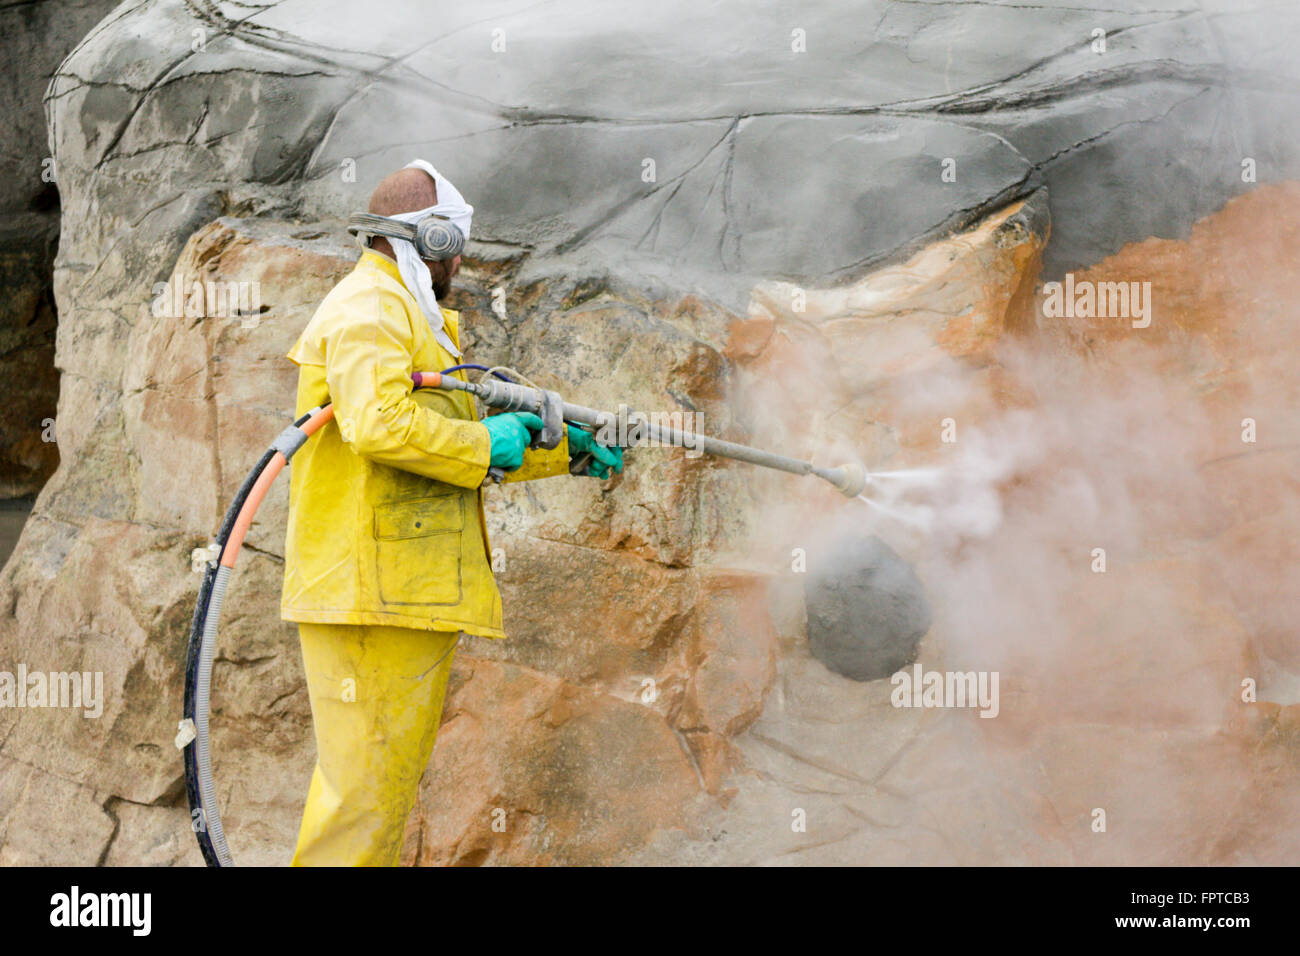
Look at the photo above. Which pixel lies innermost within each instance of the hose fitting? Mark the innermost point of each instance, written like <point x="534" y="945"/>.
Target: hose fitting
<point x="849" y="479"/>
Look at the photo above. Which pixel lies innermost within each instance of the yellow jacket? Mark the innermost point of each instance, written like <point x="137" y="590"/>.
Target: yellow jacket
<point x="386" y="518"/>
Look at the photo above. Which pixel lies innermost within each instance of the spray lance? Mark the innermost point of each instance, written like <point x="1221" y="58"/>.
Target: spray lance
<point x="499" y="393"/>
<point x="849" y="479"/>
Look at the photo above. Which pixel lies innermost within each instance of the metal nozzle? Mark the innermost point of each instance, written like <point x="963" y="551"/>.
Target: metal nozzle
<point x="849" y="479"/>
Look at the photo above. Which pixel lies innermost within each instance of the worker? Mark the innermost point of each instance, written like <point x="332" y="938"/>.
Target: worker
<point x="387" y="559"/>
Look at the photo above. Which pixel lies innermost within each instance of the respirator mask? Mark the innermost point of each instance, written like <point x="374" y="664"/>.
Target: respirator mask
<point x="435" y="237"/>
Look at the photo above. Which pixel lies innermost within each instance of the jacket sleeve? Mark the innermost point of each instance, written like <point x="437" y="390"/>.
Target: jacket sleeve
<point x="368" y="365"/>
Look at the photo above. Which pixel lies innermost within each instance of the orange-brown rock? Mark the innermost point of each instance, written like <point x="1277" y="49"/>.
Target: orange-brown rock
<point x="658" y="702"/>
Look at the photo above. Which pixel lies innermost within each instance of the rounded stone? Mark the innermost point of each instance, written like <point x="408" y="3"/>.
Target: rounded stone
<point x="867" y="609"/>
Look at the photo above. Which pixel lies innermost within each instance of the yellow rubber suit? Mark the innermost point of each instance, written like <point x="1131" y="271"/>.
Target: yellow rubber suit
<point x="386" y="558"/>
<point x="376" y="700"/>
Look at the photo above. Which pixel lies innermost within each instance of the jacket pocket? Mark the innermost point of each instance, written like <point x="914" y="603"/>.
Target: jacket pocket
<point x="418" y="549"/>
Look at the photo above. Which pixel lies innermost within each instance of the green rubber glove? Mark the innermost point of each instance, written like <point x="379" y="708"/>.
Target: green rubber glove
<point x="511" y="433"/>
<point x="603" y="457"/>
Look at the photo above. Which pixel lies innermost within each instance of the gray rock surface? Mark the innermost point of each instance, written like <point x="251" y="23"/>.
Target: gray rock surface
<point x="867" y="610"/>
<point x="807" y="165"/>
<point x="34" y="39"/>
<point x="37" y="36"/>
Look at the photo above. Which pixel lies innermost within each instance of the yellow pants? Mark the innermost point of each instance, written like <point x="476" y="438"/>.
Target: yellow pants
<point x="376" y="701"/>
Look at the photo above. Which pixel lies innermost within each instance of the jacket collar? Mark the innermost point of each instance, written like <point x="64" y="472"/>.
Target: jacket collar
<point x="381" y="262"/>
<point x="377" y="260"/>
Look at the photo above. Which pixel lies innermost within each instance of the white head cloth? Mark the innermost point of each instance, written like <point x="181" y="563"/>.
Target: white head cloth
<point x="415" y="275"/>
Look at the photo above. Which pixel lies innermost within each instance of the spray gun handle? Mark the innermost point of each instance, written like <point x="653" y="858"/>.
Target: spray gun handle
<point x="578" y="466"/>
<point x="494" y="475"/>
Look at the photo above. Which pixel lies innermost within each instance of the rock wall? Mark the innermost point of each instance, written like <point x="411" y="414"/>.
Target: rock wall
<point x="34" y="39"/>
<point x="768" y="238"/>
<point x="1154" y="694"/>
<point x="646" y="615"/>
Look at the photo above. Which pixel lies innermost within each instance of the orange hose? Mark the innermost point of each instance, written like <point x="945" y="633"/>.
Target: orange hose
<point x="263" y="484"/>
<point x="255" y="496"/>
<point x="311" y="425"/>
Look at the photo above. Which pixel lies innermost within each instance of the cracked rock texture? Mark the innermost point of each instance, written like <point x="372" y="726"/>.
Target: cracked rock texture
<point x="36" y="38"/>
<point x="686" y="214"/>
<point x="1157" y="699"/>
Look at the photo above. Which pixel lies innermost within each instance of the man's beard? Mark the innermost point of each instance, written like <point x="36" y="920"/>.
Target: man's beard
<point x="442" y="287"/>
